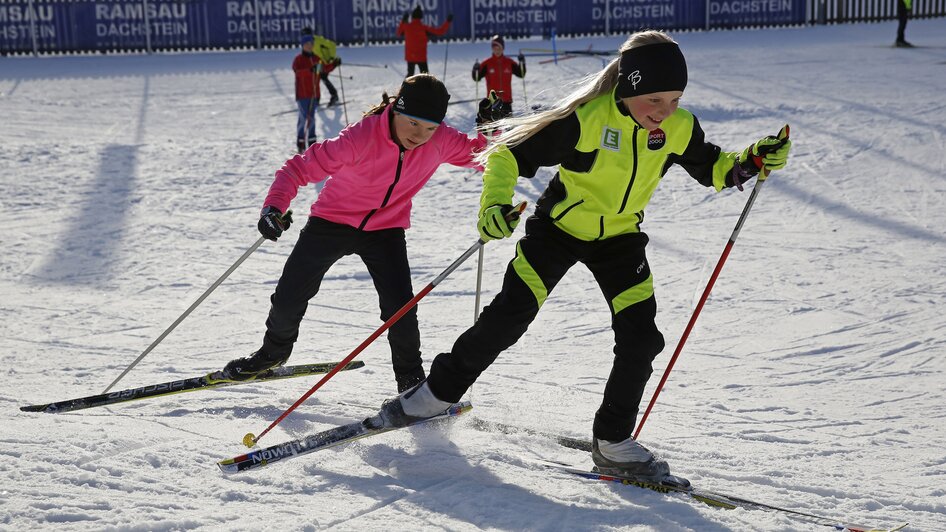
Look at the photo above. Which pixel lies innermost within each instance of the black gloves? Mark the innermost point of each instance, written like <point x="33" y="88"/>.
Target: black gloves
<point x="449" y="17"/>
<point x="522" y="58"/>
<point x="404" y="18"/>
<point x="337" y="61"/>
<point x="272" y="222"/>
<point x="476" y="71"/>
<point x="490" y="109"/>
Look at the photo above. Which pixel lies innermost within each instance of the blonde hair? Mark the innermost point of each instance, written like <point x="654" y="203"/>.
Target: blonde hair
<point x="517" y="130"/>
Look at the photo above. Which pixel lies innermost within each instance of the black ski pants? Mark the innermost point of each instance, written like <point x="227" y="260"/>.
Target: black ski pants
<point x="422" y="66"/>
<point x="620" y="268"/>
<point x="902" y="14"/>
<point x="321" y="244"/>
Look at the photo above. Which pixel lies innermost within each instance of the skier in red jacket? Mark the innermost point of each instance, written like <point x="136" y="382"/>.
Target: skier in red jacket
<point x="498" y="70"/>
<point x="308" y="68"/>
<point x="416" y="34"/>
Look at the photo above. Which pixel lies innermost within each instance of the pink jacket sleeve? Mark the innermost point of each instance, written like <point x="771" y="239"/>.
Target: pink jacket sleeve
<point x="460" y="149"/>
<point x="313" y="165"/>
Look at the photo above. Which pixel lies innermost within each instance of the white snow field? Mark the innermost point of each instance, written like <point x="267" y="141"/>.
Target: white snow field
<point x="815" y="378"/>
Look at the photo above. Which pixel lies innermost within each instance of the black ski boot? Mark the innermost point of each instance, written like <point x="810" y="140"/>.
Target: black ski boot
<point x="246" y="369"/>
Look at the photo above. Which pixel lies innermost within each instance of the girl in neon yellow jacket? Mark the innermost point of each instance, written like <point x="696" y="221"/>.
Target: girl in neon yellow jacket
<point x="612" y="141"/>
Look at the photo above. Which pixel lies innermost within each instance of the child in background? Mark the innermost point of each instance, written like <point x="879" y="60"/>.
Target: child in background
<point x="498" y="71"/>
<point x="308" y="69"/>
<point x="416" y="34"/>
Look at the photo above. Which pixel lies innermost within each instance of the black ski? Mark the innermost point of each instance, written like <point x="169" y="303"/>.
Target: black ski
<point x="333" y="437"/>
<point x="205" y="382"/>
<point x="682" y="487"/>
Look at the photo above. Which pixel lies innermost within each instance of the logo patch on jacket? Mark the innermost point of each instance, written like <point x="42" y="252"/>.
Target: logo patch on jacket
<point x="611" y="139"/>
<point x="656" y="139"/>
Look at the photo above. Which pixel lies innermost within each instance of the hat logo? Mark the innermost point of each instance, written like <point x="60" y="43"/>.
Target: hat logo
<point x="400" y="102"/>
<point x="634" y="78"/>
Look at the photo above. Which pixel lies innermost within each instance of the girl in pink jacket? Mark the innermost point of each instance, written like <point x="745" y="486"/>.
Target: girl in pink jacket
<point x="371" y="170"/>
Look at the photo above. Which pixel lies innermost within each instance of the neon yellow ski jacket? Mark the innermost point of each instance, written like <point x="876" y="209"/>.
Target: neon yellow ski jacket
<point x="608" y="167"/>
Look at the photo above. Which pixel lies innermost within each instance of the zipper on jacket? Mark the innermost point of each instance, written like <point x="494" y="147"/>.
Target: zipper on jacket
<point x="630" y="184"/>
<point x="387" y="197"/>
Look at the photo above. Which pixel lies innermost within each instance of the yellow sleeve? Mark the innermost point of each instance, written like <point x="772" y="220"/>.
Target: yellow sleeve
<point x="499" y="179"/>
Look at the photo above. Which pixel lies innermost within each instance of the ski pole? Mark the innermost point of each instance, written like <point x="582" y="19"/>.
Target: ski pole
<point x="200" y="300"/>
<point x="366" y="66"/>
<point x="250" y="439"/>
<point x="479" y="284"/>
<point x="763" y="174"/>
<point x="446" y="52"/>
<point x="344" y="103"/>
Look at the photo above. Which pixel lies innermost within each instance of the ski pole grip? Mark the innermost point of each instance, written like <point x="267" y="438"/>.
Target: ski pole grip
<point x="516" y="211"/>
<point x="757" y="159"/>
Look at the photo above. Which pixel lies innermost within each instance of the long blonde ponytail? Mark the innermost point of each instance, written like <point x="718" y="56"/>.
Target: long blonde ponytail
<point x="519" y="128"/>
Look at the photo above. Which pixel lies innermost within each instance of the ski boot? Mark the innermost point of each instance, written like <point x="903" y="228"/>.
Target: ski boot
<point x="247" y="368"/>
<point x="628" y="458"/>
<point x="413" y="405"/>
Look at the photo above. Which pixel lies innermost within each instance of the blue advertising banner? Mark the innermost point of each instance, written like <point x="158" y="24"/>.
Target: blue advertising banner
<point x="377" y="20"/>
<point x="728" y="13"/>
<point x="117" y="25"/>
<point x="273" y="22"/>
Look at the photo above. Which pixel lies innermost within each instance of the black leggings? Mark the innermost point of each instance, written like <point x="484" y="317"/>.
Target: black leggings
<point x="902" y="13"/>
<point x="410" y="68"/>
<point x="321" y="244"/>
<point x="620" y="268"/>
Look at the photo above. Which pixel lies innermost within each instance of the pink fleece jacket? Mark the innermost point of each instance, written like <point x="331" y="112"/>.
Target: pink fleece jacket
<point x="369" y="180"/>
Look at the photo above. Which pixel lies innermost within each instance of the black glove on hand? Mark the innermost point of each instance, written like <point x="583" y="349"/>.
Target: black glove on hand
<point x="449" y="17"/>
<point x="404" y="18"/>
<point x="337" y="61"/>
<point x="272" y="222"/>
<point x="490" y="109"/>
<point x="522" y="58"/>
<point x="476" y="71"/>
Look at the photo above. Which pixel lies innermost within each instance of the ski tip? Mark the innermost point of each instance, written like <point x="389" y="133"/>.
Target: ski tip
<point x="34" y="408"/>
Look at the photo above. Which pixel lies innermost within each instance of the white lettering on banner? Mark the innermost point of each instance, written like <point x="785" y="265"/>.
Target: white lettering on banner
<point x="378" y="21"/>
<point x="137" y="29"/>
<point x="635" y="12"/>
<point x="740" y="7"/>
<point x="137" y="11"/>
<point x="278" y="8"/>
<point x="279" y="25"/>
<point x="491" y="4"/>
<point x="387" y="6"/>
<point x="25" y="31"/>
<point x="515" y="17"/>
<point x="25" y="14"/>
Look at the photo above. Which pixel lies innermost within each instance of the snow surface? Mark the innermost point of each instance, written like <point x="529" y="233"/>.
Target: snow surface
<point x="814" y="378"/>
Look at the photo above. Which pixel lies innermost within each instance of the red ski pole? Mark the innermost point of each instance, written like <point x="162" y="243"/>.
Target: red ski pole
<point x="250" y="440"/>
<point x="763" y="174"/>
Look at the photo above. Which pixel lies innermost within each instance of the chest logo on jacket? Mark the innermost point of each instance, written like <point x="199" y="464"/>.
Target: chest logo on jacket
<point x="611" y="139"/>
<point x="656" y="139"/>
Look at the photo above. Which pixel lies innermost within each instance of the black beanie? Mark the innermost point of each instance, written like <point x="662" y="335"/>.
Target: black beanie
<point x="423" y="97"/>
<point x="417" y="13"/>
<point x="651" y="68"/>
<point x="498" y="40"/>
